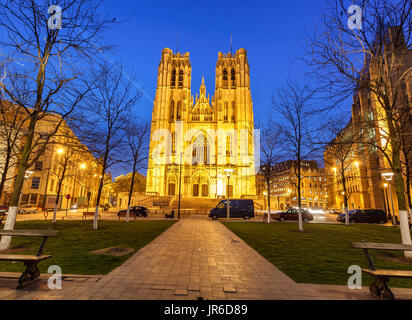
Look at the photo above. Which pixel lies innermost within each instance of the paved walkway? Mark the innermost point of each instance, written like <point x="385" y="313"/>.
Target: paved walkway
<point x="195" y="258"/>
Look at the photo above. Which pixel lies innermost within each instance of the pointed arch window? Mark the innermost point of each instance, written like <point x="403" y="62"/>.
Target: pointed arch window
<point x="172" y="111"/>
<point x="225" y="112"/>
<point x="233" y="77"/>
<point x="173" y="82"/>
<point x="225" y="77"/>
<point x="179" y="111"/>
<point x="233" y="111"/>
<point x="181" y="76"/>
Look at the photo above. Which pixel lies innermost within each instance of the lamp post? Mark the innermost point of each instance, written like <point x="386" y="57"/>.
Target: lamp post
<point x="180" y="184"/>
<point x="388" y="177"/>
<point x="386" y="200"/>
<point x="228" y="174"/>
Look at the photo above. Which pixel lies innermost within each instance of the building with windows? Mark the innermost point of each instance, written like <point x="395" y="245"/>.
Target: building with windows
<point x="369" y="154"/>
<point x="65" y="164"/>
<point x="283" y="186"/>
<point x="194" y="139"/>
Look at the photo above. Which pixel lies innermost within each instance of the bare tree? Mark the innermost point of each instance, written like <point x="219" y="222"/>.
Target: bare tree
<point x="105" y="120"/>
<point x="137" y="137"/>
<point x="11" y="131"/>
<point x="296" y="109"/>
<point x="340" y="155"/>
<point x="68" y="151"/>
<point x="373" y="59"/>
<point x="46" y="45"/>
<point x="270" y="155"/>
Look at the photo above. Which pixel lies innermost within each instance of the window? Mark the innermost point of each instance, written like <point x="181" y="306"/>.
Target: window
<point x="181" y="79"/>
<point x="178" y="111"/>
<point x="233" y="77"/>
<point x="38" y="166"/>
<point x="173" y="82"/>
<point x="225" y="77"/>
<point x="233" y="111"/>
<point x="33" y="198"/>
<point x="225" y="114"/>
<point x="35" y="183"/>
<point x="172" y="110"/>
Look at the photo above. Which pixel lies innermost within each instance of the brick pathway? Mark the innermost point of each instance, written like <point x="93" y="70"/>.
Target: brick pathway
<point x="194" y="258"/>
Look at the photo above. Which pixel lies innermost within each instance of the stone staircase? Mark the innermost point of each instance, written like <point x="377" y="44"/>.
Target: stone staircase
<point x="194" y="203"/>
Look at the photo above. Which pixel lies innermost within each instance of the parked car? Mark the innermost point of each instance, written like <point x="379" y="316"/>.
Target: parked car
<point x="3" y="209"/>
<point x="364" y="216"/>
<point x="27" y="209"/>
<point x="136" y="211"/>
<point x="335" y="211"/>
<point x="292" y="214"/>
<point x="239" y="208"/>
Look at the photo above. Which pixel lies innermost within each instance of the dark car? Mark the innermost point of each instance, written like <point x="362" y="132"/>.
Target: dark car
<point x="238" y="209"/>
<point x="136" y="211"/>
<point x="292" y="214"/>
<point x="364" y="216"/>
<point x="3" y="209"/>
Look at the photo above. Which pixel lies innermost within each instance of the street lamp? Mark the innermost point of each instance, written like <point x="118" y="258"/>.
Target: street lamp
<point x="388" y="177"/>
<point x="386" y="200"/>
<point x="228" y="174"/>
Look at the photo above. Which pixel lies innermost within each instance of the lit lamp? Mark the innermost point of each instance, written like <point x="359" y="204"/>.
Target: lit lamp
<point x="228" y="174"/>
<point x="388" y="177"/>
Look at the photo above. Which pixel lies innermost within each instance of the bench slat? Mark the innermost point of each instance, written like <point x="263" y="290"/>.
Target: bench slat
<point x="30" y="233"/>
<point x="381" y="246"/>
<point x="21" y="257"/>
<point x="389" y="273"/>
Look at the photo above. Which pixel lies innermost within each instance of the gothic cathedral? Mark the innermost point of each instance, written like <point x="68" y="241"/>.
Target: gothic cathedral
<point x="194" y="141"/>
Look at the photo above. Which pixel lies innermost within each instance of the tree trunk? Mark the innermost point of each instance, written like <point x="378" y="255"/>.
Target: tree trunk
<point x="18" y="185"/>
<point x="268" y="191"/>
<point x="13" y="209"/>
<point x="57" y="198"/>
<point x="345" y="198"/>
<point x="300" y="198"/>
<point x="399" y="185"/>
<point x="99" y="194"/>
<point x="130" y="194"/>
<point x="5" y="171"/>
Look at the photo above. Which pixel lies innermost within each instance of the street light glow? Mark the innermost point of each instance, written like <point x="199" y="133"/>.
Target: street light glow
<point x="388" y="176"/>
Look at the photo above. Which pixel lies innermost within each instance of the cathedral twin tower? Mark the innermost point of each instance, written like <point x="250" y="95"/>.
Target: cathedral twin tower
<point x="194" y="140"/>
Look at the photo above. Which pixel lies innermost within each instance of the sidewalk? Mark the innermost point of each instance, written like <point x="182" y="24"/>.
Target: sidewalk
<point x="195" y="258"/>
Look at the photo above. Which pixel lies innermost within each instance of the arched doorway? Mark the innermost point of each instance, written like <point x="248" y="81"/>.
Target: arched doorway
<point x="200" y="186"/>
<point x="171" y="186"/>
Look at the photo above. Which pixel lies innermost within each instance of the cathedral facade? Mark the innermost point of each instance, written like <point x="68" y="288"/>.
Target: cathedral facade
<point x="196" y="141"/>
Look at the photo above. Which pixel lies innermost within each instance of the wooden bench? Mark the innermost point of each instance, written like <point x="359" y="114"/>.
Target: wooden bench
<point x="90" y="214"/>
<point x="131" y="215"/>
<point x="32" y="272"/>
<point x="379" y="287"/>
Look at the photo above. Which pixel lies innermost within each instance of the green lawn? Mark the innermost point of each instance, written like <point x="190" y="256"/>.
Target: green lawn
<point x="323" y="253"/>
<point x="71" y="249"/>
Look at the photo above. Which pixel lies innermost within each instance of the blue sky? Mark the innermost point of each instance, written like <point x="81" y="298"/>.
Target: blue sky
<point x="271" y="31"/>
